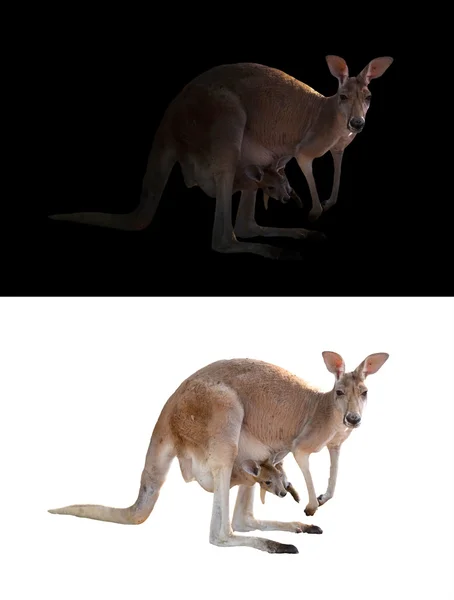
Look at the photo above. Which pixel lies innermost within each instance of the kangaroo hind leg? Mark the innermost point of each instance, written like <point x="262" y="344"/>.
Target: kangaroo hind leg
<point x="225" y="430"/>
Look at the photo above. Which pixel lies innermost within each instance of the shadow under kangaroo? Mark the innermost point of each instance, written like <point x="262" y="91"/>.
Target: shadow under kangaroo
<point x="238" y="410"/>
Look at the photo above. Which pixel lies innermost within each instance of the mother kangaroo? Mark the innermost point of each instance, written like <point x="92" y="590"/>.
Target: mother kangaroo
<point x="241" y="409"/>
<point x="237" y="115"/>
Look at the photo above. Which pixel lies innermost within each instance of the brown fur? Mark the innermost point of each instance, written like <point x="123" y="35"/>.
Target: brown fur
<point x="245" y="114"/>
<point x="271" y="478"/>
<point x="236" y="410"/>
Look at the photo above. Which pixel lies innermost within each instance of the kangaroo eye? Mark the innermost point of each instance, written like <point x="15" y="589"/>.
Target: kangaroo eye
<point x="364" y="394"/>
<point x="367" y="98"/>
<point x="268" y="482"/>
<point x="343" y="97"/>
<point x="340" y="393"/>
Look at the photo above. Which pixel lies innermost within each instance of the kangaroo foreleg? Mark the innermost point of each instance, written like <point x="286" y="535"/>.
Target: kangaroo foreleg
<point x="334" y="460"/>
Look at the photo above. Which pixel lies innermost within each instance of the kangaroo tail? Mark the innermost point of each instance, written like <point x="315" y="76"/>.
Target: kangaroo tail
<point x="156" y="468"/>
<point x="98" y="512"/>
<point x="160" y="164"/>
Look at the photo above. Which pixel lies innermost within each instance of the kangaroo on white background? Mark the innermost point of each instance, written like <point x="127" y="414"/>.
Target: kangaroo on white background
<point x="237" y="115"/>
<point x="241" y="409"/>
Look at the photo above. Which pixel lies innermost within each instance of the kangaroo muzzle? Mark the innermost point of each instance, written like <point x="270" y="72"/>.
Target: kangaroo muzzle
<point x="352" y="419"/>
<point x="356" y="124"/>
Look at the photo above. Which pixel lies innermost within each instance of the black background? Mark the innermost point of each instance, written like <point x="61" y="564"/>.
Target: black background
<point x="104" y="87"/>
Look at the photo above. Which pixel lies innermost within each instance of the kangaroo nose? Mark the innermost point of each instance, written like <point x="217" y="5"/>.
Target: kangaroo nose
<point x="282" y="494"/>
<point x="357" y="123"/>
<point x="353" y="418"/>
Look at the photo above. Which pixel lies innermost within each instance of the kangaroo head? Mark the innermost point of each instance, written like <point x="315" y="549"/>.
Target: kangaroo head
<point x="353" y="95"/>
<point x="350" y="391"/>
<point x="269" y="478"/>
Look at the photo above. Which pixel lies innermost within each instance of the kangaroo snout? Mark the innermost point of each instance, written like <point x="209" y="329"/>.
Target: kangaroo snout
<point x="356" y="124"/>
<point x="282" y="494"/>
<point x="352" y="419"/>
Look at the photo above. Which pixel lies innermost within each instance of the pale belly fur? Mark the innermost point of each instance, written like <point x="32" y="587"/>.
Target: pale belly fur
<point x="195" y="469"/>
<point x="202" y="475"/>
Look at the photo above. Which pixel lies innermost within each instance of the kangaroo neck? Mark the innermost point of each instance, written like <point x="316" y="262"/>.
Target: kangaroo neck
<point x="325" y="128"/>
<point x="319" y="421"/>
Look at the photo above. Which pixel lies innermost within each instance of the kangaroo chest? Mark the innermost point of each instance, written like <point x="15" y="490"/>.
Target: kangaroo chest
<point x="315" y="144"/>
<point x="313" y="439"/>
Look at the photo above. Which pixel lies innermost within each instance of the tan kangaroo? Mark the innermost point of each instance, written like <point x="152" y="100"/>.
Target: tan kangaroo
<point x="287" y="485"/>
<point x="241" y="409"/>
<point x="271" y="478"/>
<point x="236" y="115"/>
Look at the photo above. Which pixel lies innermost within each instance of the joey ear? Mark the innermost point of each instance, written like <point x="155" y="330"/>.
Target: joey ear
<point x="279" y="457"/>
<point x="281" y="162"/>
<point x="371" y="364"/>
<point x="262" y="495"/>
<point x="375" y="69"/>
<point x="338" y="68"/>
<point x="334" y="363"/>
<point x="254" y="172"/>
<point x="251" y="467"/>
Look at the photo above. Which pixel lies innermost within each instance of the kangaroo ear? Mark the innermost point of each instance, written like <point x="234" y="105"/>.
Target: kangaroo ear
<point x="265" y="200"/>
<point x="375" y="69"/>
<point x="279" y="457"/>
<point x="281" y="162"/>
<point x="334" y="363"/>
<point x="371" y="364"/>
<point x="338" y="68"/>
<point x="254" y="172"/>
<point x="251" y="467"/>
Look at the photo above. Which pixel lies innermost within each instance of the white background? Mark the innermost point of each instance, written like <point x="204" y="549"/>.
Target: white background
<point x="84" y="380"/>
